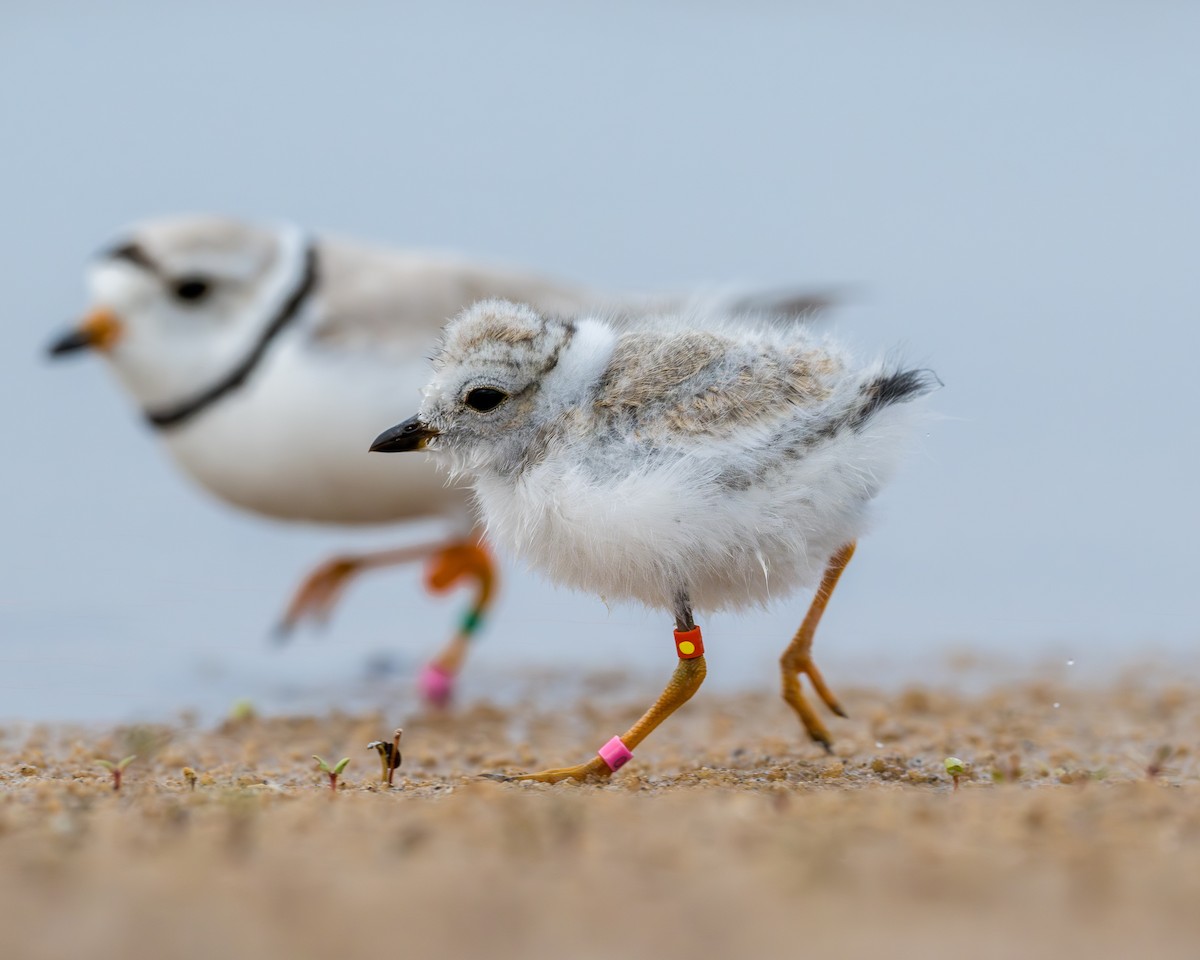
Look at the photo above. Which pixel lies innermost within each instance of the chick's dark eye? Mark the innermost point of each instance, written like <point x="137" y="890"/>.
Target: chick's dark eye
<point x="485" y="398"/>
<point x="192" y="289"/>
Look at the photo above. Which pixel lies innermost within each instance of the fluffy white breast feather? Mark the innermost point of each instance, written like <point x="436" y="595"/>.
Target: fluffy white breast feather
<point x="724" y="463"/>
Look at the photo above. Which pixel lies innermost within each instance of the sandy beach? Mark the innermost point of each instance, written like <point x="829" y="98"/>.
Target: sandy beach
<point x="1075" y="827"/>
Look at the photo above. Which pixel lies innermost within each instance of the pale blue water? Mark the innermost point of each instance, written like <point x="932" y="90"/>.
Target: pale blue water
<point x="1011" y="192"/>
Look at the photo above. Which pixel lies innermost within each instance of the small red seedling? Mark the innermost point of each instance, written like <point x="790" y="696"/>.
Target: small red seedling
<point x="116" y="769"/>
<point x="1161" y="756"/>
<point x="333" y="772"/>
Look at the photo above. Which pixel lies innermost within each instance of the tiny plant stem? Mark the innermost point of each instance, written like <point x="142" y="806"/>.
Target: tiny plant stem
<point x="117" y="769"/>
<point x="394" y="759"/>
<point x="1159" y="761"/>
<point x="956" y="769"/>
<point x="332" y="772"/>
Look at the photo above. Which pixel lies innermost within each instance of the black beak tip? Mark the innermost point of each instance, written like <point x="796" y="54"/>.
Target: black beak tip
<point x="406" y="436"/>
<point x="382" y="443"/>
<point x="70" y="342"/>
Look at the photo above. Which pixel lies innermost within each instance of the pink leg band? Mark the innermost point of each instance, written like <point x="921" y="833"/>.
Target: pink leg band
<point x="435" y="684"/>
<point x="615" y="753"/>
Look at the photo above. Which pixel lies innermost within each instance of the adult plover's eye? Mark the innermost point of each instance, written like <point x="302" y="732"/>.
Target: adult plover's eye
<point x="191" y="289"/>
<point x="485" y="398"/>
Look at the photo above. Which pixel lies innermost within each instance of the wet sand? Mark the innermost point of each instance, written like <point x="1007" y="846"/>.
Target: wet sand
<point x="1075" y="829"/>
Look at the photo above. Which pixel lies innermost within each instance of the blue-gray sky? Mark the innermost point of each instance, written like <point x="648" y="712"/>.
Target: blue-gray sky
<point x="1010" y="193"/>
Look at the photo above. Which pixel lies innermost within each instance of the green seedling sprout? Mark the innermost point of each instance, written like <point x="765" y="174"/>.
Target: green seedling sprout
<point x="116" y="769"/>
<point x="955" y="768"/>
<point x="389" y="756"/>
<point x="333" y="772"/>
<point x="242" y="712"/>
<point x="1010" y="773"/>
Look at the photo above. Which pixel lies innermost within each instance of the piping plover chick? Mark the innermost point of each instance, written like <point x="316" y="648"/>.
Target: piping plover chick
<point x="686" y="463"/>
<point x="230" y="335"/>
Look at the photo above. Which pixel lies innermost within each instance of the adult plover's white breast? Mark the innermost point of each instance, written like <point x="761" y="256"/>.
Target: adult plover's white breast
<point x="293" y="442"/>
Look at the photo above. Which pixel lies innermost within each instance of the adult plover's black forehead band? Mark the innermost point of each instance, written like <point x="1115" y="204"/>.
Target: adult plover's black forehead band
<point x="132" y="253"/>
<point x="288" y="311"/>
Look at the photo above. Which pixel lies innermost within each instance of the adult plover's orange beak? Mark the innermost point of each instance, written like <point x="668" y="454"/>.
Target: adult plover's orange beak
<point x="412" y="434"/>
<point x="99" y="330"/>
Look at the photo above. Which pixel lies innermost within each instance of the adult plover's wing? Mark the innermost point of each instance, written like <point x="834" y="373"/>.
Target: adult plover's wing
<point x="381" y="299"/>
<point x="398" y="301"/>
<point x="783" y="305"/>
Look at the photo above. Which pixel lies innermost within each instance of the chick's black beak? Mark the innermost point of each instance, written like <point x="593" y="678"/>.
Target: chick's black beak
<point x="412" y="434"/>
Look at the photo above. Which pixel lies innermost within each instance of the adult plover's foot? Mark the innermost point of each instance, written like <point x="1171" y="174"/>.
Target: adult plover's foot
<point x="436" y="683"/>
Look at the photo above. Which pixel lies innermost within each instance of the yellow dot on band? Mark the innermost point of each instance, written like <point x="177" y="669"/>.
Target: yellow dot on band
<point x="687" y="647"/>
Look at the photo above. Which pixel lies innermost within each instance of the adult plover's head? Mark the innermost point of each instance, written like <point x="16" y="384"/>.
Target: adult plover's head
<point x="178" y="306"/>
<point x="502" y="371"/>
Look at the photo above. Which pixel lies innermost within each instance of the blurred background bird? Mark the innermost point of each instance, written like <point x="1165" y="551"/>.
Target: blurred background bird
<point x="265" y="357"/>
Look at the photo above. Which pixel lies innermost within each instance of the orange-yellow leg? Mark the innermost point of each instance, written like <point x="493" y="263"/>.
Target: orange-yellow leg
<point x="321" y="589"/>
<point x="448" y="564"/>
<point x="797" y="658"/>
<point x="470" y="559"/>
<point x="686" y="680"/>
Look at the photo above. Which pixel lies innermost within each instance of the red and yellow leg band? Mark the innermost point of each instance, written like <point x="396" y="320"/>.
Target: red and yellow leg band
<point x="689" y="644"/>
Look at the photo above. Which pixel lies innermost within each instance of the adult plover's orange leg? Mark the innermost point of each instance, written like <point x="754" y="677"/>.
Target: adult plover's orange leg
<point x="685" y="681"/>
<point x="449" y="562"/>
<point x="321" y="589"/>
<point x="797" y="658"/>
<point x="446" y="568"/>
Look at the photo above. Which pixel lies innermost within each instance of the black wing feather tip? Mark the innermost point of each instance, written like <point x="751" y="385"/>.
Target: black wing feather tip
<point x="904" y="385"/>
<point x="896" y="387"/>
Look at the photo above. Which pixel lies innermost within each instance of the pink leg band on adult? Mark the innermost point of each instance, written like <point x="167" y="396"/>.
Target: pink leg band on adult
<point x="435" y="684"/>
<point x="615" y="753"/>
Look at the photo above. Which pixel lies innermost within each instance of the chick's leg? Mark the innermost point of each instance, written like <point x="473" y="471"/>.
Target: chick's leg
<point x="686" y="680"/>
<point x="797" y="658"/>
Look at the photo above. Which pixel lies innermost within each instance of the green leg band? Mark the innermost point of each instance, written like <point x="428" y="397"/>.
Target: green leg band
<point x="471" y="621"/>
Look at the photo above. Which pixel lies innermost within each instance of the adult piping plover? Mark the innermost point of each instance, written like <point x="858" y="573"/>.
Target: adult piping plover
<point x="689" y="464"/>
<point x="260" y="355"/>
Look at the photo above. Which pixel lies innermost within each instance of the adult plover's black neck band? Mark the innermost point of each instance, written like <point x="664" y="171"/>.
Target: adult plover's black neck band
<point x="288" y="311"/>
